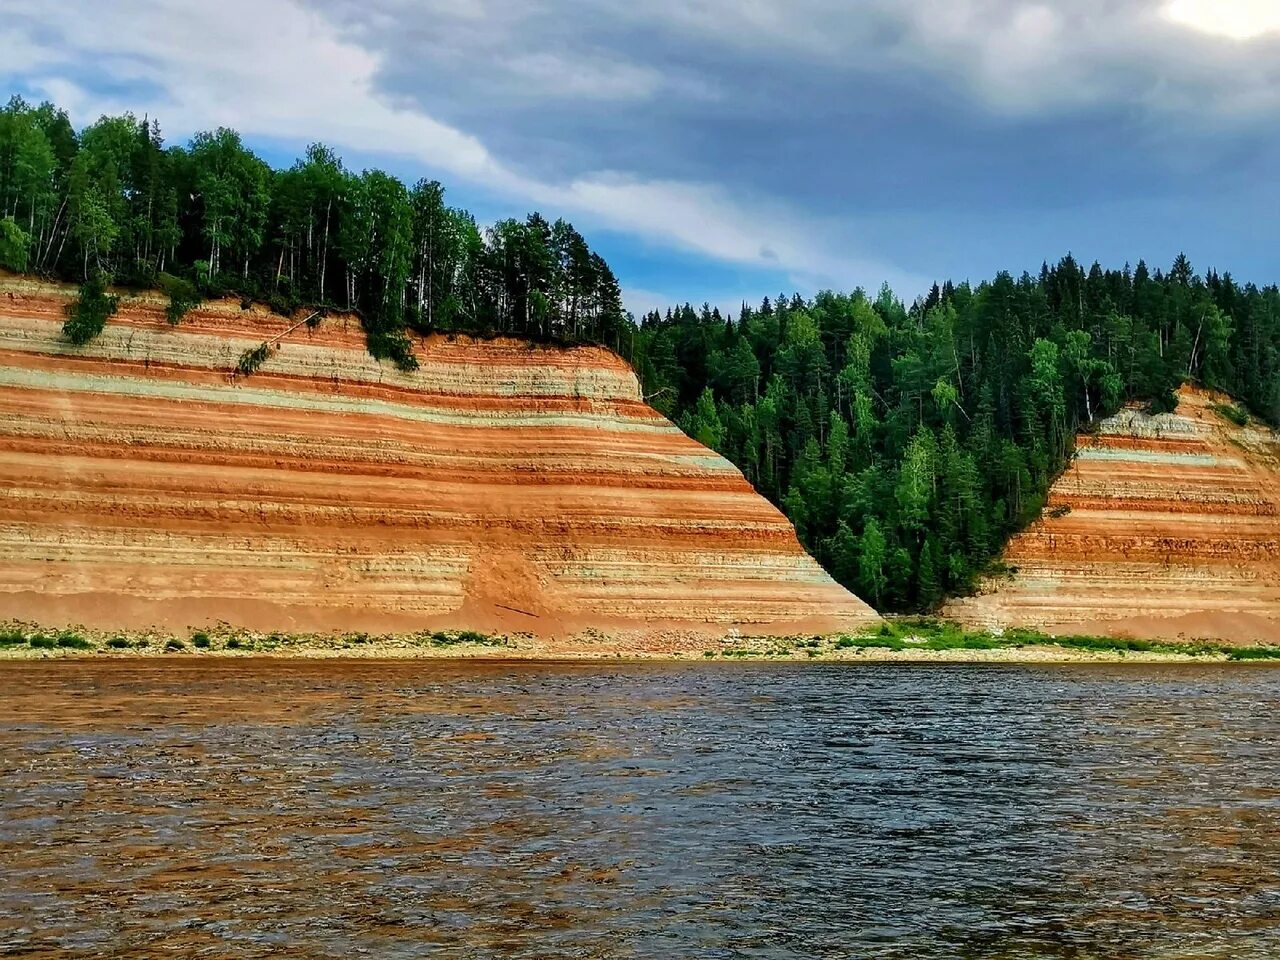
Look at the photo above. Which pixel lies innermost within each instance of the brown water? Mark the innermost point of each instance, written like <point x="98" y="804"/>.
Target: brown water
<point x="253" y="808"/>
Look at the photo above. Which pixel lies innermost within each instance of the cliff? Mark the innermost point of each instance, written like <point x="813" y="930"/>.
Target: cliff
<point x="1163" y="526"/>
<point x="502" y="486"/>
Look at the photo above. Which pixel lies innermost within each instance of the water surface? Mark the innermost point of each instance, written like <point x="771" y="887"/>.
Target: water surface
<point x="246" y="808"/>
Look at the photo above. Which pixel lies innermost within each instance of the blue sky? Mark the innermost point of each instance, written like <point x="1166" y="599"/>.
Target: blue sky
<point x="722" y="149"/>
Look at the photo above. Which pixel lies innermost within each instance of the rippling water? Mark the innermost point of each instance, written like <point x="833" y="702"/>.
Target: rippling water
<point x="254" y="808"/>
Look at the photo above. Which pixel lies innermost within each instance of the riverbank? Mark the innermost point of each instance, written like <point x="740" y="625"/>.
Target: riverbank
<point x="909" y="640"/>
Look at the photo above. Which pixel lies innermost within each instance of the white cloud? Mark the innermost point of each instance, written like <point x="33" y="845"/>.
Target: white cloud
<point x="285" y="70"/>
<point x="1021" y="57"/>
<point x="272" y="68"/>
<point x="1235" y="19"/>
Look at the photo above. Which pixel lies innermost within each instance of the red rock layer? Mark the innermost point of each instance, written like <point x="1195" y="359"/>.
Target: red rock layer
<point x="500" y="486"/>
<point x="1164" y="525"/>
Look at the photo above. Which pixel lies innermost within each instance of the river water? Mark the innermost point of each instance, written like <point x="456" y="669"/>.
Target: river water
<point x="245" y="808"/>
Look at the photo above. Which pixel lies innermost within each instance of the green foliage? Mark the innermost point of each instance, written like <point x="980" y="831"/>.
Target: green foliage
<point x="927" y="633"/>
<point x="1255" y="653"/>
<point x="119" y="643"/>
<point x="391" y="345"/>
<point x="453" y="638"/>
<point x="15" y="244"/>
<point x="1233" y="413"/>
<point x="252" y="359"/>
<point x="907" y="443"/>
<point x="201" y="640"/>
<point x="43" y="642"/>
<point x="174" y="645"/>
<point x="114" y="200"/>
<point x="183" y="297"/>
<point x="88" y="313"/>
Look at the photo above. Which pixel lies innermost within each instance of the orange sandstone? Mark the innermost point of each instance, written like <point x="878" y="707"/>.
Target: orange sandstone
<point x="502" y="486"/>
<point x="1163" y="526"/>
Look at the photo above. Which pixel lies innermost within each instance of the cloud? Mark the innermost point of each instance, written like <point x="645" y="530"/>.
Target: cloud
<point x="792" y="137"/>
<point x="1235" y="19"/>
<point x="297" y="76"/>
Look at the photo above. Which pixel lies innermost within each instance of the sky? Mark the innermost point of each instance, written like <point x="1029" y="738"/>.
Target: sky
<point x="722" y="150"/>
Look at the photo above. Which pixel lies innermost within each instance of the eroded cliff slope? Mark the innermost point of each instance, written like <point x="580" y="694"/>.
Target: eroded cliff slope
<point x="499" y="487"/>
<point x="1163" y="526"/>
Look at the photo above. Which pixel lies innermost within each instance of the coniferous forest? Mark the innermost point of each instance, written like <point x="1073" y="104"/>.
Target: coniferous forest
<point x="113" y="204"/>
<point x="906" y="442"/>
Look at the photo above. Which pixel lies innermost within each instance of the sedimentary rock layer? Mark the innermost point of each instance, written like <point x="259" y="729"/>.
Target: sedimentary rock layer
<point x="1165" y="525"/>
<point x="500" y="486"/>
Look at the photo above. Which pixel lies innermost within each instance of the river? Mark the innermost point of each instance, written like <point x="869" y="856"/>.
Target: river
<point x="252" y="807"/>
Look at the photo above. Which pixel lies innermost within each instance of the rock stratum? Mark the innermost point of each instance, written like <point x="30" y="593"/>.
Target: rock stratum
<point x="1163" y="526"/>
<point x="501" y="486"/>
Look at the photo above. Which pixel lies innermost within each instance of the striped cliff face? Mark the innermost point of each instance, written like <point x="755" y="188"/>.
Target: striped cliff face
<point x="1163" y="525"/>
<point x="500" y="486"/>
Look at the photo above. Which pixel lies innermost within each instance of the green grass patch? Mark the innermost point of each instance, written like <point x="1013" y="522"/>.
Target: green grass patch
<point x="1229" y="411"/>
<point x="1254" y="653"/>
<point x="456" y="638"/>
<point x="929" y="633"/>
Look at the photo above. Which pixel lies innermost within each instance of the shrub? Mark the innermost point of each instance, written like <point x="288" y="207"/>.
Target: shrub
<point x="451" y="638"/>
<point x="234" y="643"/>
<point x="119" y="643"/>
<point x="11" y="637"/>
<point x="1254" y="653"/>
<point x="174" y="644"/>
<point x="391" y="345"/>
<point x="88" y="313"/>
<point x="183" y="297"/>
<point x="252" y="359"/>
<point x="15" y="244"/>
<point x="1230" y="411"/>
<point x="1166" y="401"/>
<point x="201" y="640"/>
<point x="73" y="641"/>
<point x="42" y="642"/>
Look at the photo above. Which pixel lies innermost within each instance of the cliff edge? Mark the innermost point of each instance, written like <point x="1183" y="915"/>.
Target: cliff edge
<point x="501" y="486"/>
<point x="1163" y="526"/>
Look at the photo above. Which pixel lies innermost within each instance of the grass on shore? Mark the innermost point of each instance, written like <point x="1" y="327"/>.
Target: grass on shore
<point x="927" y="633"/>
<point x="899" y="635"/>
<point x="17" y="635"/>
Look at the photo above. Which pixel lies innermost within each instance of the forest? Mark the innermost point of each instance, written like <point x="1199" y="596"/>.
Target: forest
<point x="907" y="443"/>
<point x="112" y="204"/>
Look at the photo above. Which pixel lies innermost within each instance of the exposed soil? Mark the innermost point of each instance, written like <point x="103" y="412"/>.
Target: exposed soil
<point x="502" y="487"/>
<point x="1164" y="527"/>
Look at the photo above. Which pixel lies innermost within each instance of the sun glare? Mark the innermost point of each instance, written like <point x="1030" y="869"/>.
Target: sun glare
<point x="1237" y="19"/>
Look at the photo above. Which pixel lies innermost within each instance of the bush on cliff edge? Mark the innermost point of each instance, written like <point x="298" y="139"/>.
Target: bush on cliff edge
<point x="88" y="313"/>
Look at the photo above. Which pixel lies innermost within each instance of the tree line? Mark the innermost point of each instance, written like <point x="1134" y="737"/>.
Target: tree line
<point x="112" y="203"/>
<point x="907" y="443"/>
